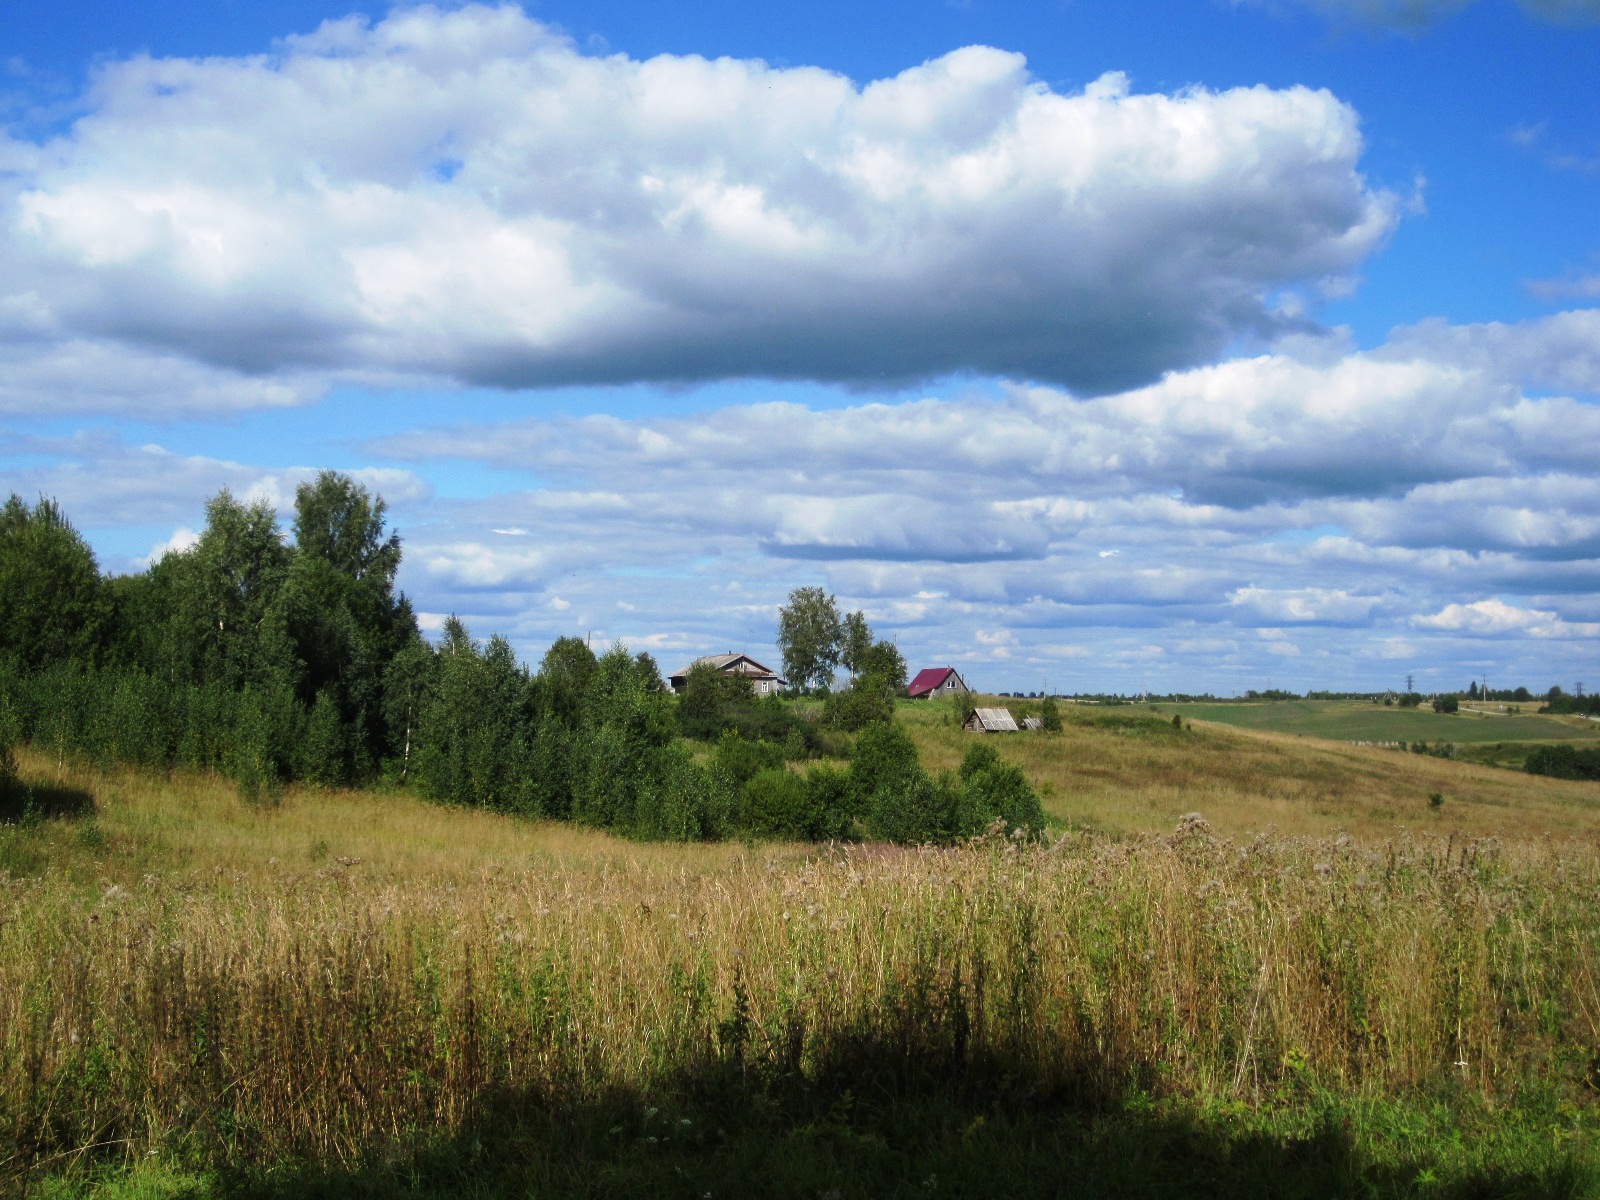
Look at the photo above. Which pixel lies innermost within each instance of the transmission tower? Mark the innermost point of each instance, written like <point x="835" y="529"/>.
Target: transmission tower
<point x="1409" y="688"/>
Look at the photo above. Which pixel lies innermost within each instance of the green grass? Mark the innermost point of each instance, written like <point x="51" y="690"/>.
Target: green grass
<point x="1348" y="721"/>
<point x="753" y="1142"/>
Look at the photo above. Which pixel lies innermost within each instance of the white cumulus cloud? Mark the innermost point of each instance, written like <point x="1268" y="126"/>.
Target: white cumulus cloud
<point x="465" y="195"/>
<point x="1494" y="618"/>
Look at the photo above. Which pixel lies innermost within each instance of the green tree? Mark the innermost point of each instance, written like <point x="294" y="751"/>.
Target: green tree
<point x="884" y="660"/>
<point x="855" y="642"/>
<point x="474" y="735"/>
<point x="338" y="522"/>
<point x="408" y="683"/>
<point x="809" y="634"/>
<point x="1050" y="715"/>
<point x="712" y="700"/>
<point x="998" y="790"/>
<point x="225" y="591"/>
<point x="53" y="606"/>
<point x="868" y="700"/>
<point x="343" y="618"/>
<point x="565" y="673"/>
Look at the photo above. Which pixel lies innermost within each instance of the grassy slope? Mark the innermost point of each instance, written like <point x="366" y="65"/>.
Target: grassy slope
<point x="192" y="860"/>
<point x="1348" y="721"/>
<point x="1126" y="769"/>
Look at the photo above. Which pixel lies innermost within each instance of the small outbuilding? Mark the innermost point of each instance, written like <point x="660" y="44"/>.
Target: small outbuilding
<point x="936" y="681"/>
<point x="990" y="720"/>
<point x="1035" y="724"/>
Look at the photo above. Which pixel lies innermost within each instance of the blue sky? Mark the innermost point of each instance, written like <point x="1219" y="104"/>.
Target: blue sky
<point x="1103" y="346"/>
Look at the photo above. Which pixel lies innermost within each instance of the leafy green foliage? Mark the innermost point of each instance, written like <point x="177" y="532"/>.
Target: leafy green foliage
<point x="868" y="700"/>
<point x="779" y="803"/>
<point x="897" y="799"/>
<point x="274" y="661"/>
<point x="1564" y="762"/>
<point x="1050" y="715"/>
<point x="712" y="700"/>
<point x="53" y="607"/>
<point x="741" y="759"/>
<point x="999" y="791"/>
<point x="809" y="633"/>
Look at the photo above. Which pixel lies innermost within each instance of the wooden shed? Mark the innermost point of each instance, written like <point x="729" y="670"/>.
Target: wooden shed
<point x="990" y="720"/>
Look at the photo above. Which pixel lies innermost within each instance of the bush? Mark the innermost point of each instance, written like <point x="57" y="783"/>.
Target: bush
<point x="898" y="800"/>
<point x="1564" y="762"/>
<point x="999" y="790"/>
<point x="711" y="701"/>
<point x="1050" y="715"/>
<point x="682" y="801"/>
<point x="1446" y="704"/>
<point x="778" y="803"/>
<point x="868" y="700"/>
<point x="741" y="759"/>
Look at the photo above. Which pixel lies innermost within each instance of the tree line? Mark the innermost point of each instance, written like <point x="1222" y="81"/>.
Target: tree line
<point x="275" y="658"/>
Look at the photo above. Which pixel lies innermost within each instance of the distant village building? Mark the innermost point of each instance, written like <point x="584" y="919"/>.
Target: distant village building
<point x="763" y="680"/>
<point x="990" y="720"/>
<point x="936" y="681"/>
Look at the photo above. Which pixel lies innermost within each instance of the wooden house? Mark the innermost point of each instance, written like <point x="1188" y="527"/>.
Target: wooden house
<point x="763" y="680"/>
<point x="935" y="681"/>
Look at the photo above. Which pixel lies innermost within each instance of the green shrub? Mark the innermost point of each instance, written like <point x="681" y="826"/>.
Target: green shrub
<point x="898" y="800"/>
<point x="779" y="803"/>
<point x="867" y="701"/>
<point x="711" y="701"/>
<point x="998" y="790"/>
<point x="1564" y="761"/>
<point x="742" y="759"/>
<point x="1050" y="715"/>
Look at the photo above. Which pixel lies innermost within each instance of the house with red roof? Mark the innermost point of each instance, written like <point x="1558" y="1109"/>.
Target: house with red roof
<point x="936" y="681"/>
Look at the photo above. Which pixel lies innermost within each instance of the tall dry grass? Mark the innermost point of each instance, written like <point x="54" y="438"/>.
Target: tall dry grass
<point x="294" y="1003"/>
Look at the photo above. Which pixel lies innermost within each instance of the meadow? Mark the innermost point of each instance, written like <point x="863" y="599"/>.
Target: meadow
<point x="1361" y="721"/>
<point x="356" y="992"/>
<point x="1129" y="769"/>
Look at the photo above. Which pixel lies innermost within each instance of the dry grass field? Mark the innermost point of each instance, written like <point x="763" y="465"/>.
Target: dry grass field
<point x="1127" y="769"/>
<point x="359" y="992"/>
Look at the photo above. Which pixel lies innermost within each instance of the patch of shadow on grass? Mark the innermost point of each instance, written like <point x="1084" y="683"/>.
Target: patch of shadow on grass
<point x="23" y="803"/>
<point x="816" y="1142"/>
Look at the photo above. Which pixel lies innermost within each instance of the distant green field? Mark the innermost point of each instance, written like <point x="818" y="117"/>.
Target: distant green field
<point x="1348" y="721"/>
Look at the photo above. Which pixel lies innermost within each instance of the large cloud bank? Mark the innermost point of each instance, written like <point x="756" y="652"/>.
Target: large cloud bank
<point x="1413" y="503"/>
<point x="463" y="195"/>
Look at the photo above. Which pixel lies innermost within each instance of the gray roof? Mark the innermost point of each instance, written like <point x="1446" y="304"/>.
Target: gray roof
<point x="992" y="720"/>
<point x="735" y="664"/>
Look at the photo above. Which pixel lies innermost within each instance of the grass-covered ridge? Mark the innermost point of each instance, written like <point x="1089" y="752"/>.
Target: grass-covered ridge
<point x="358" y="991"/>
<point x="1125" y="769"/>
<point x="1346" y="720"/>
